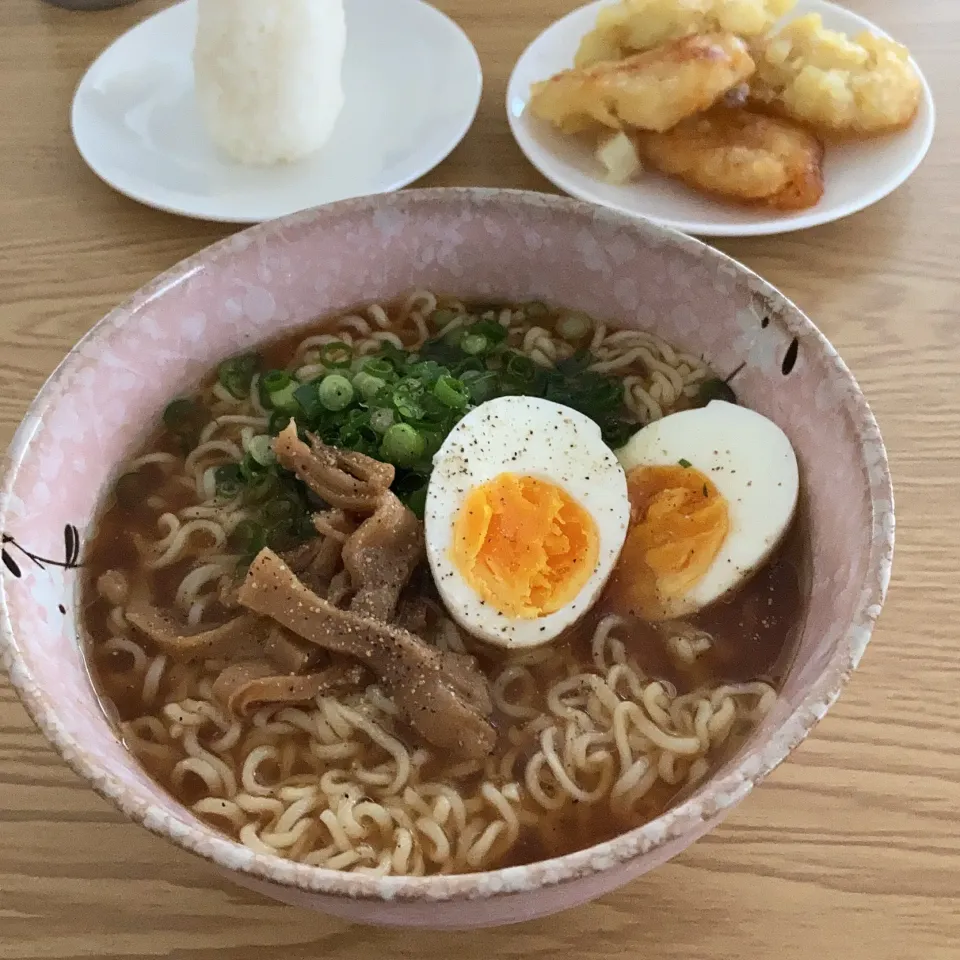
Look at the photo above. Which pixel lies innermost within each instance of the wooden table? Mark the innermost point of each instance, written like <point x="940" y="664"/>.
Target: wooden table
<point x="850" y="850"/>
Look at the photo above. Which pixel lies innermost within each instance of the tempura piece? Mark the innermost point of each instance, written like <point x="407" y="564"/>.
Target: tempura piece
<point x="840" y="87"/>
<point x="618" y="154"/>
<point x="633" y="26"/>
<point x="650" y="91"/>
<point x="741" y="156"/>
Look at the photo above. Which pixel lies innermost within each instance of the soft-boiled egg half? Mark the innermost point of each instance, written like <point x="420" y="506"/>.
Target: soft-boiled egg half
<point x="526" y="513"/>
<point x="712" y="492"/>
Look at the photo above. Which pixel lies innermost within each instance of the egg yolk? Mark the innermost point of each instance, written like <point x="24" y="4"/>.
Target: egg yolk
<point x="525" y="545"/>
<point x="678" y="522"/>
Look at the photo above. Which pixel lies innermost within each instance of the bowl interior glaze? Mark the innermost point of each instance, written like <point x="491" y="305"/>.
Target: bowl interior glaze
<point x="474" y="244"/>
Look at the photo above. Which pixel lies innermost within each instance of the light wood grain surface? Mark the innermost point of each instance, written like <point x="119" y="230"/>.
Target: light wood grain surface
<point x="852" y="849"/>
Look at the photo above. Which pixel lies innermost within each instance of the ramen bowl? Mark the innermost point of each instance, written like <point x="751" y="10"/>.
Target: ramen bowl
<point x="480" y="244"/>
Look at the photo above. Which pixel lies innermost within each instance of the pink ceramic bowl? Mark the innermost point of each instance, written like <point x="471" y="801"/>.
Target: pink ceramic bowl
<point x="474" y="243"/>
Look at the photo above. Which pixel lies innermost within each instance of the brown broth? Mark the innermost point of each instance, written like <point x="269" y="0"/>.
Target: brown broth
<point x="754" y="631"/>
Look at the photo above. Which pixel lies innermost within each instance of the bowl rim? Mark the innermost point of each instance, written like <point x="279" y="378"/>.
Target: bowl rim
<point x="708" y="802"/>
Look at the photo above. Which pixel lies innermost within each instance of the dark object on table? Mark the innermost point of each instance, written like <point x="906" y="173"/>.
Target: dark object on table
<point x="90" y="4"/>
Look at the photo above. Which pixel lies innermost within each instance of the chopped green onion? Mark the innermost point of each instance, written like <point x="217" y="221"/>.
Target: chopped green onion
<point x="573" y="326"/>
<point x="236" y="374"/>
<point x="307" y="399"/>
<point x="575" y="364"/>
<point x="480" y="386"/>
<point x="685" y="463"/>
<point x="382" y="419"/>
<point x="360" y="437"/>
<point x="382" y="369"/>
<point x="277" y="391"/>
<point x="406" y="398"/>
<point x="493" y="331"/>
<point x="442" y="317"/>
<point x="130" y="490"/>
<point x="416" y="500"/>
<point x="248" y="537"/>
<point x="473" y="364"/>
<point x="715" y="389"/>
<point x="395" y="356"/>
<point x="521" y="368"/>
<point x="427" y="371"/>
<point x="260" y="485"/>
<point x="455" y="337"/>
<point x="279" y="420"/>
<point x="336" y="354"/>
<point x="260" y="449"/>
<point x="367" y="385"/>
<point x="228" y="480"/>
<point x="473" y="344"/>
<point x="617" y="432"/>
<point x="184" y="417"/>
<point x="451" y="393"/>
<point x="433" y="440"/>
<point x="178" y="413"/>
<point x="285" y="399"/>
<point x="335" y="392"/>
<point x="274" y="380"/>
<point x="433" y="410"/>
<point x="441" y="352"/>
<point x="278" y="509"/>
<point x="402" y="445"/>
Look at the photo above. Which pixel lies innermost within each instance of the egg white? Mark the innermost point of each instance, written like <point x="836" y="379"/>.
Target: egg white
<point x="751" y="462"/>
<point x="527" y="436"/>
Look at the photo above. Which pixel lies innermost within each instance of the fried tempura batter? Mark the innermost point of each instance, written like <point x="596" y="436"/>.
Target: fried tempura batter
<point x="741" y="156"/>
<point x="649" y="91"/>
<point x="840" y="87"/>
<point x="633" y="26"/>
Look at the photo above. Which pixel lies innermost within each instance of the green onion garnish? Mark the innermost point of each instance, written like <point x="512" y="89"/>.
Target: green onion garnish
<point x="382" y="419"/>
<point x="455" y="337"/>
<point x="451" y="393"/>
<point x="335" y="392"/>
<point x="440" y="318"/>
<point x="277" y="510"/>
<point x="336" y="354"/>
<point x="130" y="490"/>
<point x="480" y="386"/>
<point x="406" y="398"/>
<point x="521" y="368"/>
<point x="260" y="449"/>
<point x="368" y="385"/>
<point x="248" y="538"/>
<point x="278" y="421"/>
<point x="285" y="399"/>
<point x="573" y="326"/>
<point x="715" y="389"/>
<point x="493" y="331"/>
<point x="236" y="373"/>
<point x="274" y="380"/>
<point x="277" y="391"/>
<point x="228" y="480"/>
<point x="402" y="445"/>
<point x="382" y="369"/>
<point x="474" y="344"/>
<point x="184" y="417"/>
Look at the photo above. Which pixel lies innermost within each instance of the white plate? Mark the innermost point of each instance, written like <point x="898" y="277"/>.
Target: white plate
<point x="856" y="175"/>
<point x="412" y="84"/>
